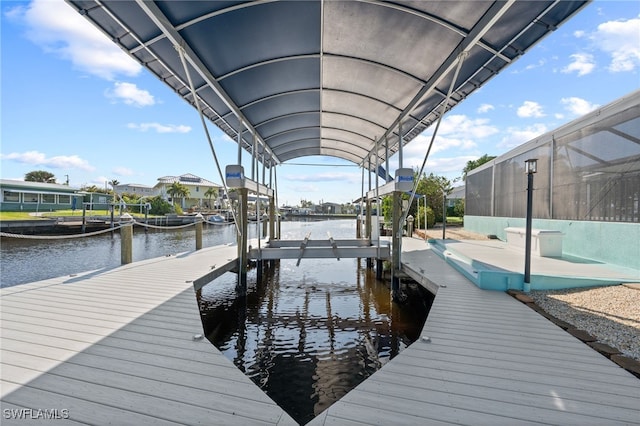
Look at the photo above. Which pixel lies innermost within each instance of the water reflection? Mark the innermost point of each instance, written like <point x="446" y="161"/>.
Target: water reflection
<point x="307" y="335"/>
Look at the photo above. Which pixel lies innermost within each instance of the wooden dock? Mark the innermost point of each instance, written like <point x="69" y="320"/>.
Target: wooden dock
<point x="486" y="359"/>
<point x="121" y="346"/>
<point x="117" y="346"/>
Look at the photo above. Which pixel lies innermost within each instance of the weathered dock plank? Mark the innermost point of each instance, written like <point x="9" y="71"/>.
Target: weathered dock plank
<point x="485" y="358"/>
<point x="119" y="345"/>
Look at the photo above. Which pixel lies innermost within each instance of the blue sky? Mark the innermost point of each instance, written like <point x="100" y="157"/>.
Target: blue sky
<point x="74" y="104"/>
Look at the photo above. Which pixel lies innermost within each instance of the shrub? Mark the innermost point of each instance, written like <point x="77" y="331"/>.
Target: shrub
<point x="431" y="216"/>
<point x="159" y="206"/>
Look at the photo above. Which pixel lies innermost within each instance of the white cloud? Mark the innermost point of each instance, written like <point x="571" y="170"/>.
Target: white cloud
<point x="327" y="177"/>
<point x="160" y="128"/>
<point x="578" y="106"/>
<point x="303" y="191"/>
<point x="621" y="40"/>
<point x="457" y="132"/>
<point x="448" y="165"/>
<point x="530" y="109"/>
<point x="538" y="64"/>
<point x="100" y="181"/>
<point x="516" y="136"/>
<point x="579" y="33"/>
<point x="583" y="64"/>
<point x="37" y="158"/>
<point x="129" y="94"/>
<point x="485" y="108"/>
<point x="123" y="171"/>
<point x="462" y="127"/>
<point x="57" y="28"/>
<point x="418" y="147"/>
<point x="225" y="138"/>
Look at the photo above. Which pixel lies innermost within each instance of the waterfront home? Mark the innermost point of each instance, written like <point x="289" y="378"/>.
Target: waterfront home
<point x="197" y="187"/>
<point x="17" y="195"/>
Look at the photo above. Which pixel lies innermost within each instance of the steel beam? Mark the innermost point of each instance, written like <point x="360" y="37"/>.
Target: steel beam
<point x="329" y="252"/>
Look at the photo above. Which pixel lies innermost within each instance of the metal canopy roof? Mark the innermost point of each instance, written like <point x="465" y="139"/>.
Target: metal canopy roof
<point x="334" y="78"/>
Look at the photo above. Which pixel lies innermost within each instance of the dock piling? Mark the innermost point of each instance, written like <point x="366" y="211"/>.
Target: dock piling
<point x="126" y="239"/>
<point x="199" y="221"/>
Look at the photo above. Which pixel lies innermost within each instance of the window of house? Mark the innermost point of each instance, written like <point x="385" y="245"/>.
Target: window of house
<point x="48" y="198"/>
<point x="10" y="197"/>
<point x="64" y="199"/>
<point x="30" y="198"/>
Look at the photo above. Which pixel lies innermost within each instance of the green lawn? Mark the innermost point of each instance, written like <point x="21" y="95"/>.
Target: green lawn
<point x="6" y="216"/>
<point x="16" y="216"/>
<point x="454" y="220"/>
<point x="76" y="213"/>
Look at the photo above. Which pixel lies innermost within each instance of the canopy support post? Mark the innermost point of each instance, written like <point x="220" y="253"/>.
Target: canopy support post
<point x="368" y="218"/>
<point x="243" y="195"/>
<point x="386" y="159"/>
<point x="400" y="144"/>
<point x="396" y="245"/>
<point x="272" y="208"/>
<point x="275" y="191"/>
<point x="378" y="259"/>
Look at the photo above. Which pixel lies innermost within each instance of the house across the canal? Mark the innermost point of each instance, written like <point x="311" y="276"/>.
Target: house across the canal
<point x="17" y="195"/>
<point x="196" y="186"/>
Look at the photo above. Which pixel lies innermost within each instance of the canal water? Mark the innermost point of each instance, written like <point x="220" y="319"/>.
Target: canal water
<point x="305" y="334"/>
<point x="309" y="334"/>
<point x="27" y="260"/>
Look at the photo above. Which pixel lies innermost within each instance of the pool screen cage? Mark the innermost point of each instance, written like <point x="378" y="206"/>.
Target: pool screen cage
<point x="588" y="170"/>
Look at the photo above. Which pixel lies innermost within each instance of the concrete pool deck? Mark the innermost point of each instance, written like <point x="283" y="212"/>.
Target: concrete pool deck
<point x="495" y="265"/>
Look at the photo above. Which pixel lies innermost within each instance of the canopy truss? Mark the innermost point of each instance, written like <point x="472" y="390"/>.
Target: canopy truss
<point x="350" y="79"/>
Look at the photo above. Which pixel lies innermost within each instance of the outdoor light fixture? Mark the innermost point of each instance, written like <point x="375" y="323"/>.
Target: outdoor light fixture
<point x="530" y="167"/>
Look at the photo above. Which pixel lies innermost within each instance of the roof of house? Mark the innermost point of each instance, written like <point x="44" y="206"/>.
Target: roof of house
<point x="133" y="185"/>
<point x="37" y="185"/>
<point x="457" y="192"/>
<point x="187" y="179"/>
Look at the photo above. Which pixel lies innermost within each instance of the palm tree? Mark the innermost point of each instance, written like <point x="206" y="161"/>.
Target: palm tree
<point x="114" y="183"/>
<point x="211" y="193"/>
<point x="178" y="190"/>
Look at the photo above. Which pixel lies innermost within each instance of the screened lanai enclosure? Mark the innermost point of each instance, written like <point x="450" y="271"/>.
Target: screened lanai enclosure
<point x="587" y="182"/>
<point x="587" y="170"/>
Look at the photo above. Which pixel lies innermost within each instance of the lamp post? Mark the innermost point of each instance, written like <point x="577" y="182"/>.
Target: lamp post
<point x="444" y="213"/>
<point x="530" y="167"/>
<point x="425" y="217"/>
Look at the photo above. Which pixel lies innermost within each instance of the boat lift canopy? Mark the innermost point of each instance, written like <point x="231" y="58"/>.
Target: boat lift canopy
<point x="349" y="79"/>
